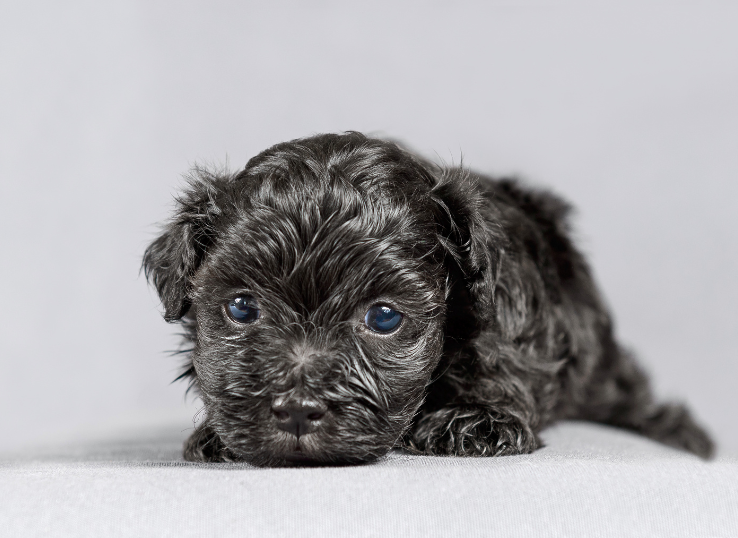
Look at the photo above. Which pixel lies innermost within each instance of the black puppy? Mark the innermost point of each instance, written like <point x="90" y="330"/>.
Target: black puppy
<point x="344" y="297"/>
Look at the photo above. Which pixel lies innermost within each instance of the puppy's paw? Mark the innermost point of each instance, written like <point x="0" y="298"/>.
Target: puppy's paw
<point x="206" y="446"/>
<point x="469" y="430"/>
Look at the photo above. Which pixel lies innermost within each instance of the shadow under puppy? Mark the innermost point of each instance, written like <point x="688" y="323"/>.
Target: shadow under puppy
<point x="344" y="297"/>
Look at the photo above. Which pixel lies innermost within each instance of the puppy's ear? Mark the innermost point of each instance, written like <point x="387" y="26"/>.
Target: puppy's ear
<point x="471" y="244"/>
<point x="172" y="259"/>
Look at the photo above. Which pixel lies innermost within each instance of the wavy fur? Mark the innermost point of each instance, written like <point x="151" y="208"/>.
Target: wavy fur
<point x="503" y="332"/>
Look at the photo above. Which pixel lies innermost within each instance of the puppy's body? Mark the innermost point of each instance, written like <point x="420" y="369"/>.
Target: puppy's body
<point x="502" y="331"/>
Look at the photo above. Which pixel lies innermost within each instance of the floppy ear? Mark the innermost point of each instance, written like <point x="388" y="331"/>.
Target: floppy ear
<point x="472" y="244"/>
<point x="172" y="259"/>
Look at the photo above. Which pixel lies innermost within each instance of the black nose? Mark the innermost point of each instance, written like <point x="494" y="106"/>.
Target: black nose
<point x="298" y="416"/>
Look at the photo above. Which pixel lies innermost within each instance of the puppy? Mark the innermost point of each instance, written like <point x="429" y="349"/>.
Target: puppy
<point x="343" y="297"/>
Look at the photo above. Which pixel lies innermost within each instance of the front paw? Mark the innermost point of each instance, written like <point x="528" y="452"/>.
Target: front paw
<point x="472" y="431"/>
<point x="206" y="446"/>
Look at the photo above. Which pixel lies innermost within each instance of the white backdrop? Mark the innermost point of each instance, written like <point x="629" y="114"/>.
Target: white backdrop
<point x="629" y="109"/>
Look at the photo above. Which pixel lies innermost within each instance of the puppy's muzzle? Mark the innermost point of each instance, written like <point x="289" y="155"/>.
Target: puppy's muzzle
<point x="298" y="415"/>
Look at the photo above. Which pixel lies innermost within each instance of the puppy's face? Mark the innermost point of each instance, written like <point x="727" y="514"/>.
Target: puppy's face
<point x="316" y="290"/>
<point x="316" y="333"/>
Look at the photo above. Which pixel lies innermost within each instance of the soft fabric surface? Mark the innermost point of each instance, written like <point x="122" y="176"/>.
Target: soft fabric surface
<point x="589" y="481"/>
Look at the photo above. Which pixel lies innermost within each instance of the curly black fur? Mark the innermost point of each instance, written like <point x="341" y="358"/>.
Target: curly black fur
<point x="503" y="332"/>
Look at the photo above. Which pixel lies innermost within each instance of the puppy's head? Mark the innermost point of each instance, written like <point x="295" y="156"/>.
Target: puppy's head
<point x="322" y="285"/>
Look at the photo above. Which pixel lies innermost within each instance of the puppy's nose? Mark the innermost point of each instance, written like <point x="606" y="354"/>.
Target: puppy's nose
<point x="298" y="416"/>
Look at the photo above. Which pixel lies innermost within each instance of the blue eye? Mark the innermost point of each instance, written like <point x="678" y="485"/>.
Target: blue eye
<point x="382" y="319"/>
<point x="243" y="309"/>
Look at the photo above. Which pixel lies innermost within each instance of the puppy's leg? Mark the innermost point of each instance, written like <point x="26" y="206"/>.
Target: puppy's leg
<point x="206" y="446"/>
<point x="486" y="404"/>
<point x="472" y="430"/>
<point x="619" y="394"/>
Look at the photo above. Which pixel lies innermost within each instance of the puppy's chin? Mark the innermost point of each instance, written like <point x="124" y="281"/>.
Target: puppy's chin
<point x="314" y="449"/>
<point x="286" y="450"/>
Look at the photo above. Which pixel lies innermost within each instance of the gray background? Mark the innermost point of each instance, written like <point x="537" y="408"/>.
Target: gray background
<point x="629" y="109"/>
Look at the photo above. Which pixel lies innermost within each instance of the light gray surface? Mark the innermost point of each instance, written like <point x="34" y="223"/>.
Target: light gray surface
<point x="628" y="108"/>
<point x="589" y="481"/>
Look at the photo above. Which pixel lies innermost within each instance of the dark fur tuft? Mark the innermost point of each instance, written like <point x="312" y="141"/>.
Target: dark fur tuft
<point x="172" y="259"/>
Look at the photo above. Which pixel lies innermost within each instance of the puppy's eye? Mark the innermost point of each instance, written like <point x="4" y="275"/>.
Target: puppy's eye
<point x="382" y="319"/>
<point x="243" y="309"/>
